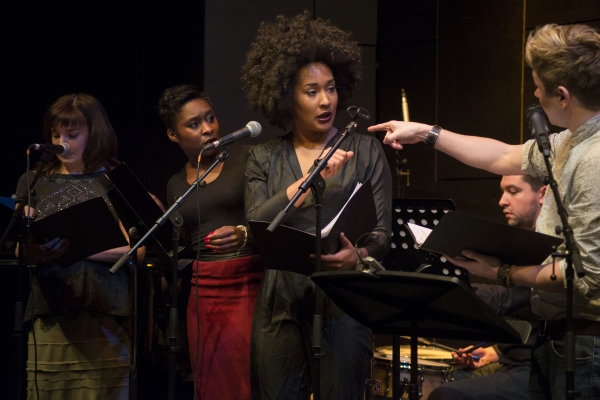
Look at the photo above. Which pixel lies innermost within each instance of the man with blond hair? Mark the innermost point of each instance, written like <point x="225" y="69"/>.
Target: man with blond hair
<point x="566" y="71"/>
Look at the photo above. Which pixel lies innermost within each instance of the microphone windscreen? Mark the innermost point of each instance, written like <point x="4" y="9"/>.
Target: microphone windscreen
<point x="68" y="149"/>
<point x="533" y="108"/>
<point x="358" y="112"/>
<point x="254" y="128"/>
<point x="364" y="114"/>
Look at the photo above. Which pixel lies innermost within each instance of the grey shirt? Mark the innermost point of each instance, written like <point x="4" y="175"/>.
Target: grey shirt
<point x="576" y="167"/>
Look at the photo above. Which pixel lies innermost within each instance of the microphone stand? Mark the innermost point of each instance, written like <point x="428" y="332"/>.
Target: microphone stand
<point x="19" y="332"/>
<point x="133" y="324"/>
<point x="573" y="258"/>
<point x="177" y="223"/>
<point x="317" y="184"/>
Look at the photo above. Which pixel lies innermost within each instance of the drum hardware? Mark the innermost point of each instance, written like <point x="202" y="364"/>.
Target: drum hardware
<point x="447" y="308"/>
<point x="433" y="369"/>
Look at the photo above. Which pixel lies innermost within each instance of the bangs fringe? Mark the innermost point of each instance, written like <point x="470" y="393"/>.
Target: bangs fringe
<point x="68" y="116"/>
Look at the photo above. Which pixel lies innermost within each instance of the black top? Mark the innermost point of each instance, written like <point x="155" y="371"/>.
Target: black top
<point x="221" y="202"/>
<point x="273" y="166"/>
<point x="85" y="285"/>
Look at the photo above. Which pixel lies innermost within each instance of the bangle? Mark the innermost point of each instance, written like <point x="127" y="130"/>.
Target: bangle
<point x="501" y="278"/>
<point x="433" y="136"/>
<point x="243" y="228"/>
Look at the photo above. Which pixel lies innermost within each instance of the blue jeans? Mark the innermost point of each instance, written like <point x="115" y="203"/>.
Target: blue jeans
<point x="548" y="379"/>
<point x="507" y="383"/>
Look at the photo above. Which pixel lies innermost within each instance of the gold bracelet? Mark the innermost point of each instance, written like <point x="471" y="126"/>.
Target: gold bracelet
<point x="242" y="227"/>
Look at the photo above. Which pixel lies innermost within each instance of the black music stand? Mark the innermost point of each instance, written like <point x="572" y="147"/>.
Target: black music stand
<point x="18" y="335"/>
<point x="412" y="304"/>
<point x="137" y="211"/>
<point x="404" y="254"/>
<point x="7" y="249"/>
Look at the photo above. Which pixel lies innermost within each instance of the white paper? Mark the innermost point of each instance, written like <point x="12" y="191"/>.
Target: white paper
<point x="325" y="231"/>
<point x="419" y="233"/>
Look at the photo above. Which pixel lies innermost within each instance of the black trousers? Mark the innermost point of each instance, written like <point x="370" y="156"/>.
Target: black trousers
<point x="281" y="355"/>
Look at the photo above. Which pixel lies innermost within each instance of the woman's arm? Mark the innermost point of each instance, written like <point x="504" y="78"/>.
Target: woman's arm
<point x="260" y="205"/>
<point x="227" y="239"/>
<point x="377" y="244"/>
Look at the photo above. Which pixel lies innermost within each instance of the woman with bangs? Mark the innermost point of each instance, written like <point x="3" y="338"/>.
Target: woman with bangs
<point x="300" y="72"/>
<point x="79" y="345"/>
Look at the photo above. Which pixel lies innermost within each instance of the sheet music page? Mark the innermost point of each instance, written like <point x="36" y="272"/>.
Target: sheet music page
<point x="419" y="233"/>
<point x="325" y="231"/>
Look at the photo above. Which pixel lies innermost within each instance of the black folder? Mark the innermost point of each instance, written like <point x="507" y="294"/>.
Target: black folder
<point x="136" y="208"/>
<point x="288" y="248"/>
<point x="7" y="210"/>
<point x="457" y="231"/>
<point x="89" y="227"/>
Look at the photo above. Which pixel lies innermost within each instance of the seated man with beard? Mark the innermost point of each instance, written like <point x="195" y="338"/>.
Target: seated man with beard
<point x="502" y="371"/>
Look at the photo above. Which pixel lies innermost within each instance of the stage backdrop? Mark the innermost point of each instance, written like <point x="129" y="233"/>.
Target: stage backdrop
<point x="461" y="63"/>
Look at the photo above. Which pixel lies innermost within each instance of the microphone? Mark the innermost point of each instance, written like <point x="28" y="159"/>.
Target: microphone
<point x="358" y="112"/>
<point x="62" y="149"/>
<point x="539" y="128"/>
<point x="251" y="129"/>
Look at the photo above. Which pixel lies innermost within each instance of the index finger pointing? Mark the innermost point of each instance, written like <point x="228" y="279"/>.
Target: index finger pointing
<point x="380" y="127"/>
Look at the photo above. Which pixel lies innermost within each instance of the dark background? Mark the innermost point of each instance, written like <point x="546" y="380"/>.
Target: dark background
<point x="461" y="63"/>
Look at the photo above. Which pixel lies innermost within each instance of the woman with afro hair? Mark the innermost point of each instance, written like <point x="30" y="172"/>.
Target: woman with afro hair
<point x="302" y="71"/>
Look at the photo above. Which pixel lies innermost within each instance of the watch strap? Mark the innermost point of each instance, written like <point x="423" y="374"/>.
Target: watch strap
<point x="433" y="136"/>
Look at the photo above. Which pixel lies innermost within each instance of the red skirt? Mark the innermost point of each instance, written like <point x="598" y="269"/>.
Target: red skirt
<point x="226" y="297"/>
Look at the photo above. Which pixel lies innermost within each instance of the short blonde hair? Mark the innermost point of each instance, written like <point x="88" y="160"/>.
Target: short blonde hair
<point x="567" y="56"/>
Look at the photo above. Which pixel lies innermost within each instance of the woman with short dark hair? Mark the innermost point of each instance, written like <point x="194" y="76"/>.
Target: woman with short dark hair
<point x="227" y="272"/>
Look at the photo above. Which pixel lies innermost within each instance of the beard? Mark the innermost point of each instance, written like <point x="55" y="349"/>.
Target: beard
<point x="526" y="219"/>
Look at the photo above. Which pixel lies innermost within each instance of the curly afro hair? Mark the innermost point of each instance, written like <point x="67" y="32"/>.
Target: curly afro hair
<point x="282" y="49"/>
<point x="173" y="99"/>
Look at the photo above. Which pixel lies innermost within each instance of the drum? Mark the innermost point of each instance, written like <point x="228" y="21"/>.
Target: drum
<point x="423" y="352"/>
<point x="433" y="370"/>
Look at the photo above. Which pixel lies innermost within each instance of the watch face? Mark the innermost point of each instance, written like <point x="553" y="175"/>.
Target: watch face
<point x="432" y="137"/>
